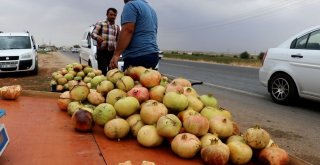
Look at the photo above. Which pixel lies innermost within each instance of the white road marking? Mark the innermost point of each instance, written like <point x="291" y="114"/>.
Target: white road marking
<point x="222" y="87"/>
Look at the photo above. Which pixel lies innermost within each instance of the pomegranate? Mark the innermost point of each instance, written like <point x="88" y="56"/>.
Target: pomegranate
<point x="195" y="103"/>
<point x="183" y="115"/>
<point x="168" y="126"/>
<point x="221" y="126"/>
<point x="164" y="81"/>
<point x="62" y="80"/>
<point x="95" y="98"/>
<point x="114" y="75"/>
<point x="196" y="124"/>
<point x="97" y="72"/>
<point x="59" y="88"/>
<point x="127" y="106"/>
<point x="95" y="81"/>
<point x="174" y="87"/>
<point x="206" y="139"/>
<point x="104" y="87"/>
<point x="148" y="136"/>
<point x="215" y="154"/>
<point x="91" y="74"/>
<point x="175" y="101"/>
<point x="256" y="137"/>
<point x="64" y="100"/>
<point x="273" y="155"/>
<point x="185" y="145"/>
<point x="189" y="91"/>
<point x="79" y="92"/>
<point x="135" y="71"/>
<point x="103" y="113"/>
<point x="114" y="95"/>
<point x="77" y="67"/>
<point x="71" y="84"/>
<point x="238" y="138"/>
<point x="240" y="153"/>
<point x="209" y="100"/>
<point x="11" y="92"/>
<point x="211" y="112"/>
<point x="150" y="78"/>
<point x="82" y="120"/>
<point x="270" y="143"/>
<point x="87" y="79"/>
<point x="225" y="113"/>
<point x="135" y="124"/>
<point x="157" y="93"/>
<point x="116" y="128"/>
<point x="182" y="81"/>
<point x="87" y="69"/>
<point x="140" y="93"/>
<point x="73" y="107"/>
<point x="68" y="76"/>
<point x="151" y="111"/>
<point x="125" y="83"/>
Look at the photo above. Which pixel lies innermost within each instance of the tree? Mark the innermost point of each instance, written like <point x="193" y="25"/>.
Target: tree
<point x="261" y="55"/>
<point x="244" y="55"/>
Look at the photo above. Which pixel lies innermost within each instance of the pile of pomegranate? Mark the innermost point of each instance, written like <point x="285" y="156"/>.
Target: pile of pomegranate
<point x="152" y="108"/>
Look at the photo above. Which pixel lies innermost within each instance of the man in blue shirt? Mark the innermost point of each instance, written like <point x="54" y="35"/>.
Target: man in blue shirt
<point x="137" y="40"/>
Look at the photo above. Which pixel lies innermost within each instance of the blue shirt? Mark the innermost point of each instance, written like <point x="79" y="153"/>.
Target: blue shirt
<point x="144" y="40"/>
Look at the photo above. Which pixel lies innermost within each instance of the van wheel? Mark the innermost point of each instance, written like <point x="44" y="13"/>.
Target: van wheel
<point x="282" y="89"/>
<point x="89" y="63"/>
<point x="36" y="69"/>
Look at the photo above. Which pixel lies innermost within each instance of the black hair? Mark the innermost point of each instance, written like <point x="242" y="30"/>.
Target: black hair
<point x="112" y="9"/>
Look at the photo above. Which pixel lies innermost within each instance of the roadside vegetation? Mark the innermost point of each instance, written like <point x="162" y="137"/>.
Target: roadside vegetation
<point x="242" y="59"/>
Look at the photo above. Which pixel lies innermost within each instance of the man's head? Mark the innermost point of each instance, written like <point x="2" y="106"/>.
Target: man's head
<point x="111" y="14"/>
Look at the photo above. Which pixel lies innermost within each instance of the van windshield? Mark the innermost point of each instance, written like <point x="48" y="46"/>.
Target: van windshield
<point x="14" y="42"/>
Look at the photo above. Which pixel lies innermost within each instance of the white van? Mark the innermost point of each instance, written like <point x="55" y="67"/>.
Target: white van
<point x="88" y="51"/>
<point x="18" y="53"/>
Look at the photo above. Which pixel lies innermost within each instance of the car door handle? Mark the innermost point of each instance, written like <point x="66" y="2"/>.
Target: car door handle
<point x="296" y="56"/>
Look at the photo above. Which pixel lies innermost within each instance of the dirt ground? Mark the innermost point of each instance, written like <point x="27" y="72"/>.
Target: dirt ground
<point x="48" y="63"/>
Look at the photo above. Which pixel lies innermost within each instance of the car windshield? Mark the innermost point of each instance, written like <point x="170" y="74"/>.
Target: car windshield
<point x="14" y="42"/>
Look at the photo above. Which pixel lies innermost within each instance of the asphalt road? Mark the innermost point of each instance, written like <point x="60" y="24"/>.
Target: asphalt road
<point x="294" y="128"/>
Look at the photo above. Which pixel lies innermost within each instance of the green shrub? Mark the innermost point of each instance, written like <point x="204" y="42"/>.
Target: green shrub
<point x="244" y="55"/>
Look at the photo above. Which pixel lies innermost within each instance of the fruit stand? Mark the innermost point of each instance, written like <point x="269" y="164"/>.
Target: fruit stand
<point x="42" y="134"/>
<point x="133" y="117"/>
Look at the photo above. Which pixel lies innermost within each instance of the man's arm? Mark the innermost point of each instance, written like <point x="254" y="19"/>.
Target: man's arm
<point x="124" y="39"/>
<point x="96" y="33"/>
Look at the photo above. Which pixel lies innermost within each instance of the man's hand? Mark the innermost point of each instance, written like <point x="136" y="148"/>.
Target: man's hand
<point x="114" y="62"/>
<point x="99" y="40"/>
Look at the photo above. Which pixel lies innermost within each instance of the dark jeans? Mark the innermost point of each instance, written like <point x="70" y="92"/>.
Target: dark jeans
<point x="103" y="59"/>
<point x="148" y="61"/>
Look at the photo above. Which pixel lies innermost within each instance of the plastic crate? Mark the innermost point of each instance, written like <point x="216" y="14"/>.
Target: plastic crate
<point x="4" y="138"/>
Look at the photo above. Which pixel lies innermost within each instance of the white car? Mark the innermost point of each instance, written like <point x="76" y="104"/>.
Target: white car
<point x="292" y="69"/>
<point x="18" y="52"/>
<point x="88" y="51"/>
<point x="75" y="50"/>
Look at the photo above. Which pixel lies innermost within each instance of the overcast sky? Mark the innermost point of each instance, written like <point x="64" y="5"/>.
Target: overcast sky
<point x="190" y="25"/>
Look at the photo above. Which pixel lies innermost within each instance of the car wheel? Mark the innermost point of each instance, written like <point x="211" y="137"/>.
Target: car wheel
<point x="282" y="89"/>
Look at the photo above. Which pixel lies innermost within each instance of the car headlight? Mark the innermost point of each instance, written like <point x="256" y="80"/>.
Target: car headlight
<point x="26" y="56"/>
